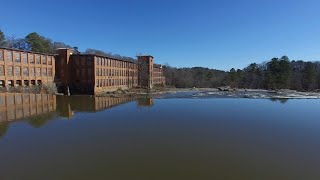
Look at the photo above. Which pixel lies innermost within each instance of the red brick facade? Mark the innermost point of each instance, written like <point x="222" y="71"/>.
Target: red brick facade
<point x="23" y="68"/>
<point x="77" y="73"/>
<point x="94" y="74"/>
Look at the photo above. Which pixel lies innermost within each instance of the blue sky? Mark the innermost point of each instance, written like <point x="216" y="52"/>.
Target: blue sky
<point x="218" y="34"/>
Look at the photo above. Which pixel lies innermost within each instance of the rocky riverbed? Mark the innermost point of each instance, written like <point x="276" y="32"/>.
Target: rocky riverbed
<point x="253" y="94"/>
<point x="215" y="93"/>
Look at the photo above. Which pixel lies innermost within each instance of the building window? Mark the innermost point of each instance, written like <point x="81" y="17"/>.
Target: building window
<point x="1" y="55"/>
<point x="89" y="72"/>
<point x="77" y="61"/>
<point x="25" y="71"/>
<point x="1" y="70"/>
<point x="38" y="72"/>
<point x="31" y="58"/>
<point x="44" y="71"/>
<point x="26" y="82"/>
<point x="83" y="61"/>
<point x="98" y="83"/>
<point x="99" y="62"/>
<point x="8" y="56"/>
<point x="18" y="71"/>
<point x="97" y="72"/>
<point x="10" y="70"/>
<point x="31" y="71"/>
<point x="50" y="60"/>
<point x="44" y="59"/>
<point x="17" y="57"/>
<point x="83" y="73"/>
<point x="24" y="58"/>
<point x="38" y="59"/>
<point x="50" y="72"/>
<point x="89" y="62"/>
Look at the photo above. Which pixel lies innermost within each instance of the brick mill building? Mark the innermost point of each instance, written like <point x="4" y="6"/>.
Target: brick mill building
<point x="77" y="73"/>
<point x="24" y="68"/>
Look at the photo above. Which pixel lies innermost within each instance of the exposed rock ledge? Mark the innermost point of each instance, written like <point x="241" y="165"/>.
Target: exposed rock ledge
<point x="242" y="93"/>
<point x="216" y="93"/>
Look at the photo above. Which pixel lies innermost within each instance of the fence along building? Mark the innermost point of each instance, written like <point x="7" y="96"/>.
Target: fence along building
<point x="24" y="68"/>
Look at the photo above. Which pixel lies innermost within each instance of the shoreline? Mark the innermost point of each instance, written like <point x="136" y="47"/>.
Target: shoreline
<point x="225" y="92"/>
<point x="164" y="93"/>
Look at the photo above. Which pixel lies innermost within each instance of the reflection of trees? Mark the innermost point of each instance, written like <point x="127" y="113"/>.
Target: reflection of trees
<point x="4" y="126"/>
<point x="40" y="120"/>
<point x="282" y="101"/>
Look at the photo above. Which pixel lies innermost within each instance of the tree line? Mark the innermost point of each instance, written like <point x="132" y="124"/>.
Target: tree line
<point x="277" y="73"/>
<point x="37" y="43"/>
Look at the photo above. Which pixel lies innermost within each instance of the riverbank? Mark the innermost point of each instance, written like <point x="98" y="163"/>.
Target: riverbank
<point x="168" y="92"/>
<point x="213" y="93"/>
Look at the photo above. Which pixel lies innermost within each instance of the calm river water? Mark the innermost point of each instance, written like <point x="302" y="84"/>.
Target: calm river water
<point x="55" y="137"/>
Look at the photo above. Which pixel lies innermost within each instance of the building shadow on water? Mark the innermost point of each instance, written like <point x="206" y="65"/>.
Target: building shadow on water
<point x="38" y="109"/>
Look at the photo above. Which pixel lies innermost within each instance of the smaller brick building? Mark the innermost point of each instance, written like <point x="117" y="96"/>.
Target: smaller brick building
<point x="158" y="77"/>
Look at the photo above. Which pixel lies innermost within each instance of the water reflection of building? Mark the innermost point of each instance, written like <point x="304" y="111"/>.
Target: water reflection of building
<point x="15" y="106"/>
<point x="67" y="105"/>
<point x="145" y="102"/>
<point x="39" y="109"/>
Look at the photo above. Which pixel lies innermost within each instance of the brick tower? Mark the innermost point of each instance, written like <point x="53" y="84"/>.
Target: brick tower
<point x="145" y="71"/>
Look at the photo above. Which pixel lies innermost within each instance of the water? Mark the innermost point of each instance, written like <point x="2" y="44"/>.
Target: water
<point x="119" y="139"/>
